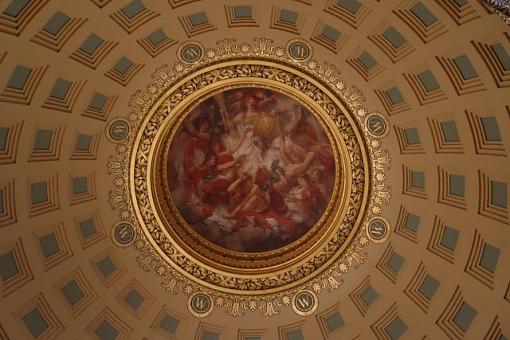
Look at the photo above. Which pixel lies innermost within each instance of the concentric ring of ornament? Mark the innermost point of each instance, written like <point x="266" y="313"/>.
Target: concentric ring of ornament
<point x="267" y="263"/>
<point x="342" y="218"/>
<point x="180" y="272"/>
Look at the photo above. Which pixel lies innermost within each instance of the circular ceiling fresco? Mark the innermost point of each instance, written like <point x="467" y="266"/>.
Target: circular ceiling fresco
<point x="250" y="169"/>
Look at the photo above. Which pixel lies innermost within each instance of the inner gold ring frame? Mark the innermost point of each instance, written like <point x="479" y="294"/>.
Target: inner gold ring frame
<point x="330" y="221"/>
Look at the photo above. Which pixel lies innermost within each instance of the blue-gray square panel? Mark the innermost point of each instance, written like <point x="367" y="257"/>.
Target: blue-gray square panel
<point x="499" y="194"/>
<point x="19" y="77"/>
<point x="134" y="299"/>
<point x="39" y="192"/>
<point x="394" y="37"/>
<point x="369" y="295"/>
<point x="49" y="245"/>
<point x="157" y="36"/>
<point x="457" y="185"/>
<point x="60" y="88"/>
<point x="465" y="67"/>
<point x="91" y="43"/>
<point x="35" y="322"/>
<point x="428" y="81"/>
<point x="98" y="101"/>
<point x="72" y="292"/>
<point x="43" y="139"/>
<point x="423" y="14"/>
<point x="243" y="11"/>
<point x="106" y="266"/>
<point x="106" y="331"/>
<point x="412" y="222"/>
<point x="123" y="65"/>
<point x="449" y="238"/>
<point x="210" y="336"/>
<point x="490" y="128"/>
<point x="367" y="60"/>
<point x="133" y="8"/>
<point x="15" y="7"/>
<point x="169" y="324"/>
<point x="412" y="136"/>
<point x="429" y="287"/>
<point x="295" y="335"/>
<point x="394" y="95"/>
<point x="4" y="133"/>
<point x="87" y="227"/>
<point x="55" y="24"/>
<point x="418" y="179"/>
<point x="80" y="185"/>
<point x="490" y="257"/>
<point x="8" y="267"/>
<point x="352" y="6"/>
<point x="396" y="328"/>
<point x="464" y="316"/>
<point x="288" y="16"/>
<point x="460" y="3"/>
<point x="83" y="142"/>
<point x="334" y="322"/>
<point x="395" y="262"/>
<point x="330" y="33"/>
<point x="449" y="131"/>
<point x="198" y="18"/>
<point x="501" y="55"/>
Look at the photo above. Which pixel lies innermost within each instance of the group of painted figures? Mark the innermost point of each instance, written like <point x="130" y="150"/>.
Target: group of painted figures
<point x="251" y="169"/>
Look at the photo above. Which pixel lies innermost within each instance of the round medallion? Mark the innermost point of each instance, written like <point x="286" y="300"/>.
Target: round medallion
<point x="190" y="52"/>
<point x="299" y="50"/>
<point x="250" y="177"/>
<point x="118" y="130"/>
<point x="377" y="125"/>
<point x="378" y="229"/>
<point x="123" y="234"/>
<point x="305" y="303"/>
<point x="200" y="305"/>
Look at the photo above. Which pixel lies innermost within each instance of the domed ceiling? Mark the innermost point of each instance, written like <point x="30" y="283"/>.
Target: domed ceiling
<point x="297" y="169"/>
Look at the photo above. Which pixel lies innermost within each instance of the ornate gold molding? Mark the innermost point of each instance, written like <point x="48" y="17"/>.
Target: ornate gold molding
<point x="320" y="83"/>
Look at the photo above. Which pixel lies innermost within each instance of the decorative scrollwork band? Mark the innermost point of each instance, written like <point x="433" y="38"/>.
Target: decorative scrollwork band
<point x="293" y="69"/>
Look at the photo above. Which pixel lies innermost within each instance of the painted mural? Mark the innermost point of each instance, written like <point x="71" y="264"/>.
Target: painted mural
<point x="250" y="169"/>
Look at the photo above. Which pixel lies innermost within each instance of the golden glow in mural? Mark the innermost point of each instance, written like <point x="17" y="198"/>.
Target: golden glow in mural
<point x="250" y="177"/>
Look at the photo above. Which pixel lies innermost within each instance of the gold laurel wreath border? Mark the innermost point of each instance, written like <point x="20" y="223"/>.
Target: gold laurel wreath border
<point x="164" y="77"/>
<point x="230" y="281"/>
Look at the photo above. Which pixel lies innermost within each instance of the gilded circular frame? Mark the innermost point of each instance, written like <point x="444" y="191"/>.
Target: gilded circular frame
<point x="245" y="263"/>
<point x="132" y="166"/>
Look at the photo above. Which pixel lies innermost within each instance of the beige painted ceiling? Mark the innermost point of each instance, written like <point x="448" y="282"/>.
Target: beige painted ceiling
<point x="438" y="69"/>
